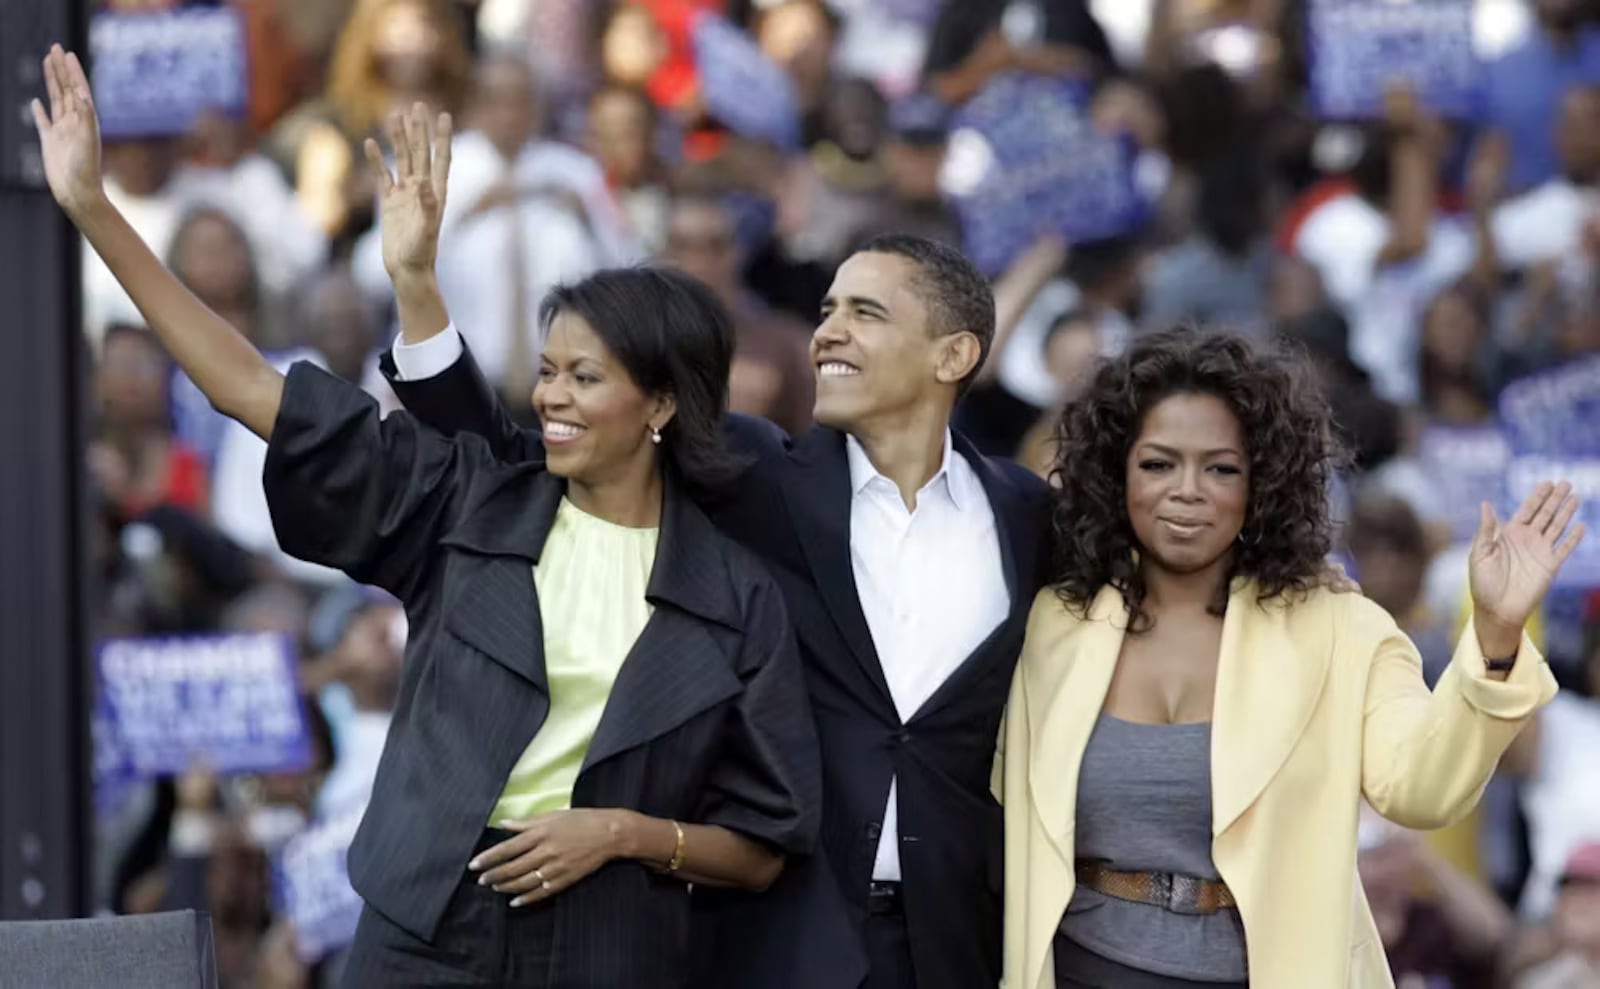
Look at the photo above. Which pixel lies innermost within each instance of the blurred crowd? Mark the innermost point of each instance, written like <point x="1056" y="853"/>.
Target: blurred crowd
<point x="1422" y="263"/>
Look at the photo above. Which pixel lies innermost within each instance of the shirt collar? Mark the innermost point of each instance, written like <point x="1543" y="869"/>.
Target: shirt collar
<point x="950" y="478"/>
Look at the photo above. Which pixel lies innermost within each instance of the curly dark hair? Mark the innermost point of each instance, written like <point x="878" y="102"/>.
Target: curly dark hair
<point x="1289" y="444"/>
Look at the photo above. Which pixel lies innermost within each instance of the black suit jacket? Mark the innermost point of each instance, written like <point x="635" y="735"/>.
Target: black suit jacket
<point x="792" y="506"/>
<point x="708" y="720"/>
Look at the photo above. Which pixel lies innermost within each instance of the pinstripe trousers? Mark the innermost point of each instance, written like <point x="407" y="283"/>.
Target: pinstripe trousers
<point x="481" y="941"/>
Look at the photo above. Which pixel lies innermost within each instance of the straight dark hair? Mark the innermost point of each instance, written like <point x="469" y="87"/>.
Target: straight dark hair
<point x="675" y="338"/>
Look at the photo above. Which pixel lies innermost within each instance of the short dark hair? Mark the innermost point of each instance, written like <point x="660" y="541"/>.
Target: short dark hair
<point x="958" y="297"/>
<point x="1289" y="443"/>
<point x="674" y="338"/>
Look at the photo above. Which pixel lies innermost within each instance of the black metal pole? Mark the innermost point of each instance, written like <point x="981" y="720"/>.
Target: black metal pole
<point x="46" y="823"/>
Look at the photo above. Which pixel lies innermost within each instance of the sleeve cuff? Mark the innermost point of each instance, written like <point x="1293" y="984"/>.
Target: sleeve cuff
<point x="1529" y="686"/>
<point x="430" y="358"/>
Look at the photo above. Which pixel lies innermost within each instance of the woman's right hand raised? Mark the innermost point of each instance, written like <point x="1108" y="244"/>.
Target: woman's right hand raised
<point x="69" y="134"/>
<point x="411" y="199"/>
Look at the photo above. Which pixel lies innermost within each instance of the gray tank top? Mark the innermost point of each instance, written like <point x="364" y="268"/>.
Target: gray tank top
<point x="1144" y="805"/>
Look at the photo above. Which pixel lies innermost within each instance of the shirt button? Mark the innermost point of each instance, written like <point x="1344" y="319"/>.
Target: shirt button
<point x="874" y="830"/>
<point x="902" y="736"/>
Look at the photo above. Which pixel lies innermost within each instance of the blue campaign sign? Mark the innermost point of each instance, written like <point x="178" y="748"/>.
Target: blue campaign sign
<point x="1582" y="569"/>
<point x="1025" y="161"/>
<point x="112" y="779"/>
<point x="1469" y="467"/>
<point x="154" y="73"/>
<point x="743" y="89"/>
<point x="1552" y="420"/>
<point x="231" y="702"/>
<point x="1356" y="48"/>
<point x="314" y="891"/>
<point x="1555" y="411"/>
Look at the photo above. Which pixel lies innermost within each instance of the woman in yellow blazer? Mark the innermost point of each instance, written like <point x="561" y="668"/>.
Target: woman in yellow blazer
<point x="1198" y="713"/>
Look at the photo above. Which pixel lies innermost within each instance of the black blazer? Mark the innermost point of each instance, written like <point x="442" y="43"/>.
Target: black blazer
<point x="792" y="506"/>
<point x="708" y="720"/>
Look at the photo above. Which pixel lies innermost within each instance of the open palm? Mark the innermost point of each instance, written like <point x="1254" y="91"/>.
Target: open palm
<point x="1513" y="564"/>
<point x="69" y="133"/>
<point x="411" y="199"/>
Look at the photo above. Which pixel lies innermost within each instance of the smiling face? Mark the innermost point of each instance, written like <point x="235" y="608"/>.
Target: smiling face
<point x="876" y="355"/>
<point x="1188" y="483"/>
<point x="596" y="420"/>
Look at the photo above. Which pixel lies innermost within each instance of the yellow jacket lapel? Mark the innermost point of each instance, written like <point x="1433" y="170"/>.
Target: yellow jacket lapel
<point x="1068" y="664"/>
<point x="1267" y="690"/>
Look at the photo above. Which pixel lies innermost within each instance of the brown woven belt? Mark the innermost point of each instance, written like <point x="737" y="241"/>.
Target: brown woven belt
<point x="1179" y="894"/>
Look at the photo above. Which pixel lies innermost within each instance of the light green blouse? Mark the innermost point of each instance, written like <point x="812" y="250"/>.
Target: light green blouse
<point x="591" y="578"/>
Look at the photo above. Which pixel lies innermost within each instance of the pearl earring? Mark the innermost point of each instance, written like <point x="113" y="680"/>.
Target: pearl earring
<point x="655" y="435"/>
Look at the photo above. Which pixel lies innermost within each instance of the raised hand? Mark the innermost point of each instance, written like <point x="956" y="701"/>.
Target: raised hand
<point x="1512" y="565"/>
<point x="69" y="134"/>
<point x="411" y="199"/>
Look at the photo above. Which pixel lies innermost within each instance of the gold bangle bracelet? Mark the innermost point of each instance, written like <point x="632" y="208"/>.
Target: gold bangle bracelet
<point x="677" y="854"/>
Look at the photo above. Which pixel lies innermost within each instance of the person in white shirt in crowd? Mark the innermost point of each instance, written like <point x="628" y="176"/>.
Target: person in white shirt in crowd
<point x="342" y="338"/>
<point x="232" y="176"/>
<point x="1561" y="796"/>
<point x="1550" y="222"/>
<point x="522" y="216"/>
<point x="138" y="180"/>
<point x="1382" y="249"/>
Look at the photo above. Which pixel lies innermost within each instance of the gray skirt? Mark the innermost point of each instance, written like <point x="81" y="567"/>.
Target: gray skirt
<point x="1079" y="968"/>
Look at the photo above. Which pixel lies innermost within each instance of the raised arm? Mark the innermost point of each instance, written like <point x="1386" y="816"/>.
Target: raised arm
<point x="429" y="368"/>
<point x="1426" y="757"/>
<point x="346" y="488"/>
<point x="225" y="366"/>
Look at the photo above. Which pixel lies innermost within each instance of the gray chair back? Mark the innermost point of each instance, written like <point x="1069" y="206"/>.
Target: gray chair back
<point x="151" y="951"/>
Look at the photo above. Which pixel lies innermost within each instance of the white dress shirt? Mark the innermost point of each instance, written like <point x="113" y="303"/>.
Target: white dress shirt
<point x="931" y="587"/>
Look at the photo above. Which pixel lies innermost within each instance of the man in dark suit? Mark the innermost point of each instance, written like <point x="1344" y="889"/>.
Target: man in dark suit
<point x="908" y="562"/>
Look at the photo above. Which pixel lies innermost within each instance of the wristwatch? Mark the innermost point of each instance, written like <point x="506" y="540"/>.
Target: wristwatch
<point x="1500" y="665"/>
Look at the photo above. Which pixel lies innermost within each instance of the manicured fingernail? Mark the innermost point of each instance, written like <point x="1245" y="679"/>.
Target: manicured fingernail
<point x="519" y="901"/>
<point x="483" y="880"/>
<point x="475" y="864"/>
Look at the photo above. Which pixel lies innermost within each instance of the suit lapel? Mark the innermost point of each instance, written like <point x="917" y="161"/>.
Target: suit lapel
<point x="1019" y="553"/>
<point x="496" y="609"/>
<point x="1266" y="693"/>
<point x="679" y="666"/>
<point x="1067" y="665"/>
<point x="1014" y="526"/>
<point x="674" y="671"/>
<point x="820" y="502"/>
